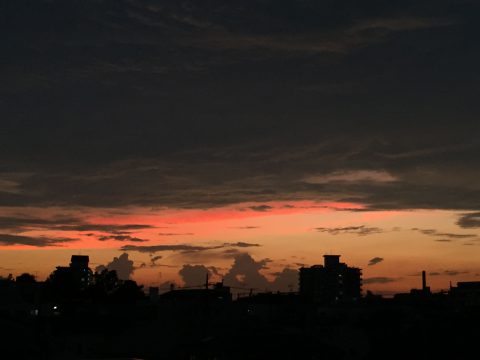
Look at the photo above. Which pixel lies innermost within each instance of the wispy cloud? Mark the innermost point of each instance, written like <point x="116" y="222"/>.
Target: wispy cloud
<point x="175" y="234"/>
<point x="64" y="223"/>
<point x="451" y="236"/>
<point x="245" y="227"/>
<point x="37" y="241"/>
<point x="379" y="280"/>
<point x="469" y="220"/>
<point x="375" y="261"/>
<point x="121" y="238"/>
<point x="361" y="230"/>
<point x="184" y="248"/>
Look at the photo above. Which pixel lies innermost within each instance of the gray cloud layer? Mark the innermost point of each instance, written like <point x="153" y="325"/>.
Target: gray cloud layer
<point x="189" y="105"/>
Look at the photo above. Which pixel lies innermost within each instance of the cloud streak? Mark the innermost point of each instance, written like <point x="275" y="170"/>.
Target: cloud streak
<point x="379" y="280"/>
<point x="375" y="261"/>
<point x="469" y="221"/>
<point x="449" y="236"/>
<point x="361" y="230"/>
<point x="185" y="248"/>
<point x="37" y="241"/>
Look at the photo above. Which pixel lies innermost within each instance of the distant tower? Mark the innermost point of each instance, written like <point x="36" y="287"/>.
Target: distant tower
<point x="425" y="288"/>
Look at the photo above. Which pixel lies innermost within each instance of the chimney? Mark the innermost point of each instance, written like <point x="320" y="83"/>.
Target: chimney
<point x="424" y="280"/>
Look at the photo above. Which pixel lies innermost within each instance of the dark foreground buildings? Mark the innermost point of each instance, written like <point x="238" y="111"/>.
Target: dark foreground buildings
<point x="74" y="278"/>
<point x="113" y="319"/>
<point x="332" y="282"/>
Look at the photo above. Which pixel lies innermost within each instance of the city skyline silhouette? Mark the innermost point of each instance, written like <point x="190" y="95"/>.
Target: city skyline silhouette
<point x="171" y="141"/>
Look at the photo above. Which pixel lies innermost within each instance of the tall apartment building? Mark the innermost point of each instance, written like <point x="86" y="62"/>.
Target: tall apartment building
<point x="332" y="282"/>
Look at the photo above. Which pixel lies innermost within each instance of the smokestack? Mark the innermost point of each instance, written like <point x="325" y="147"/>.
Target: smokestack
<point x="424" y="280"/>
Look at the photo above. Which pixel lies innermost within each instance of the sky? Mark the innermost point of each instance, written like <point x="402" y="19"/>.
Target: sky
<point x="168" y="139"/>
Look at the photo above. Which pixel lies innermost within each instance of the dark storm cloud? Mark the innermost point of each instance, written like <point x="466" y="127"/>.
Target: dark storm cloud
<point x="197" y="105"/>
<point x="38" y="241"/>
<point x="375" y="261"/>
<point x="359" y="230"/>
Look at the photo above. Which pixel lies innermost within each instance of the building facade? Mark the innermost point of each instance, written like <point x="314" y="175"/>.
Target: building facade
<point x="332" y="282"/>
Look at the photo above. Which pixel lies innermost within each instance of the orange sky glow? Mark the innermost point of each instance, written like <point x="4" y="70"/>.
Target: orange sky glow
<point x="289" y="234"/>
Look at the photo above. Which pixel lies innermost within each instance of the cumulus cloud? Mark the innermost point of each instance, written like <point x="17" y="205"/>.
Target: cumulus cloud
<point x="122" y="265"/>
<point x="194" y="275"/>
<point x="285" y="280"/>
<point x="245" y="272"/>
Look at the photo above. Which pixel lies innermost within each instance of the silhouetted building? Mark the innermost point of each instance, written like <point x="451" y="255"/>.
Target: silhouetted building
<point x="79" y="261"/>
<point x="332" y="282"/>
<point x="416" y="296"/>
<point x="466" y="293"/>
<point x="75" y="277"/>
<point x="219" y="293"/>
<point x="153" y="293"/>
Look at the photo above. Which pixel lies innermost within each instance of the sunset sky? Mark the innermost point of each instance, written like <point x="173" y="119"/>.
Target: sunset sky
<point x="243" y="138"/>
